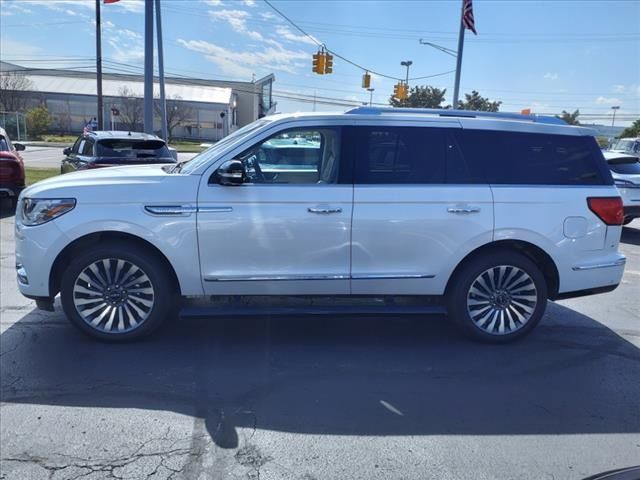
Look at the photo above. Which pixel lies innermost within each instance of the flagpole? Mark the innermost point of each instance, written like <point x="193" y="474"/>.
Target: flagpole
<point x="456" y="87"/>
<point x="99" y="65"/>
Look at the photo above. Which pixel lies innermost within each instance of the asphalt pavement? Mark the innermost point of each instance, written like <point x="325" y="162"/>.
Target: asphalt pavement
<point x="400" y="397"/>
<point x="50" y="157"/>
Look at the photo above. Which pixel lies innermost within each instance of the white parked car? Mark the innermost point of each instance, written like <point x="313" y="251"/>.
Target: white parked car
<point x="625" y="170"/>
<point x="486" y="215"/>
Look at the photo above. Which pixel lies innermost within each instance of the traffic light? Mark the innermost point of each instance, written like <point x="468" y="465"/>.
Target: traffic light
<point x="328" y="64"/>
<point x="366" y="80"/>
<point x="318" y="63"/>
<point x="400" y="91"/>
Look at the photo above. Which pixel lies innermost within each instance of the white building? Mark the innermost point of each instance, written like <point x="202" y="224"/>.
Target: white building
<point x="206" y="109"/>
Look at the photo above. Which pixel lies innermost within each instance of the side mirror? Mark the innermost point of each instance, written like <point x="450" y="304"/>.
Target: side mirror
<point x="230" y="172"/>
<point x="67" y="151"/>
<point x="19" y="147"/>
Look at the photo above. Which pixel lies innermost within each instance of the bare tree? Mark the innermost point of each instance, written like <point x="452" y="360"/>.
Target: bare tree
<point x="13" y="91"/>
<point x="178" y="112"/>
<point x="131" y="108"/>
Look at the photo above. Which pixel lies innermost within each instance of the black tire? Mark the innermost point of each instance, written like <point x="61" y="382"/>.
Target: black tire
<point x="628" y="220"/>
<point x="518" y="316"/>
<point x="155" y="278"/>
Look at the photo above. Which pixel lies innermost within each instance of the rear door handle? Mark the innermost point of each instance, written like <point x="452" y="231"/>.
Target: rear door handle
<point x="463" y="210"/>
<point x="323" y="210"/>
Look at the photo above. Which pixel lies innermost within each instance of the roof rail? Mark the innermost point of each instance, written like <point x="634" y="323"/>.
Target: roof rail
<point x="455" y="113"/>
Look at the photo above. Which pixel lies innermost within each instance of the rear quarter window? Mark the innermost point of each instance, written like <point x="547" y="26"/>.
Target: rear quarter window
<point x="534" y="159"/>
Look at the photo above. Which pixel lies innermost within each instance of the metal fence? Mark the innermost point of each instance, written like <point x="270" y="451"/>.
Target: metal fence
<point x="15" y="124"/>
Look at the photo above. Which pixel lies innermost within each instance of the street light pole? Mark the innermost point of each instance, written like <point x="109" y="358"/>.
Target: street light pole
<point x="613" y="121"/>
<point x="370" y="90"/>
<point x="407" y="64"/>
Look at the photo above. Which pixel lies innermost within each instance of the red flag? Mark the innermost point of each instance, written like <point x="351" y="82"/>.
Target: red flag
<point x="467" y="16"/>
<point x="106" y="2"/>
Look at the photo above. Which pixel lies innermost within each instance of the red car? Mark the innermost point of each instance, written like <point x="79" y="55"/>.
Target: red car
<point x="11" y="170"/>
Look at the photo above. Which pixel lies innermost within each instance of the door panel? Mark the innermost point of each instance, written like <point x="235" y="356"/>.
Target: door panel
<point x="262" y="239"/>
<point x="407" y="241"/>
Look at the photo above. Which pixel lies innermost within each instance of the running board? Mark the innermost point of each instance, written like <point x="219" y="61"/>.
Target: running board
<point x="201" y="311"/>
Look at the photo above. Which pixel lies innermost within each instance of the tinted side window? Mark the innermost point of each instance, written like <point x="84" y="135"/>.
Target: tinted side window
<point x="532" y="158"/>
<point x="76" y="146"/>
<point x="88" y="148"/>
<point x="406" y="155"/>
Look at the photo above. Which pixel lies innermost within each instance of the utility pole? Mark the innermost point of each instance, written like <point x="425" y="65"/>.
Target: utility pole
<point x="148" y="66"/>
<point x="456" y="87"/>
<point x="371" y="90"/>
<point x="613" y="121"/>
<point x="163" y="99"/>
<point x="99" y="65"/>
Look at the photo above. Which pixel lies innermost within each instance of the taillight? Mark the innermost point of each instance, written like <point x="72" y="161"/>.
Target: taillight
<point x="608" y="209"/>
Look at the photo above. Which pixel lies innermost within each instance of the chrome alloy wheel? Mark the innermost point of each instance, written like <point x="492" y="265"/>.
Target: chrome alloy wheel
<point x="502" y="299"/>
<point x="113" y="295"/>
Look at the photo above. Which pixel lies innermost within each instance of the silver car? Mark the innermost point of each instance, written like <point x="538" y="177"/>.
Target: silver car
<point x="625" y="170"/>
<point x="629" y="146"/>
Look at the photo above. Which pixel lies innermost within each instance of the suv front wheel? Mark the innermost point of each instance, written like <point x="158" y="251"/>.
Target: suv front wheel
<point x="116" y="292"/>
<point x="497" y="297"/>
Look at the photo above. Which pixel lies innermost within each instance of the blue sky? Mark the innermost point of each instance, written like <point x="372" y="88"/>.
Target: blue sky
<point x="547" y="55"/>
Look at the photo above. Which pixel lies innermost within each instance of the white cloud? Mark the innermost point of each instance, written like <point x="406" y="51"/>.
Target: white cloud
<point x="249" y="3"/>
<point x="244" y="63"/>
<point x="237" y="20"/>
<point x="213" y="3"/>
<point x="287" y="34"/>
<point x="126" y="45"/>
<point x="607" y="101"/>
<point x="619" y="89"/>
<point x="267" y="15"/>
<point x="551" y="76"/>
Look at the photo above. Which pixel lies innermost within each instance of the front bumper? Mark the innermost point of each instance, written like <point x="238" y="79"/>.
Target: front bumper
<point x="36" y="249"/>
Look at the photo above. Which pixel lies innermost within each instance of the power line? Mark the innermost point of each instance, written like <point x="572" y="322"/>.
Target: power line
<point x="336" y="54"/>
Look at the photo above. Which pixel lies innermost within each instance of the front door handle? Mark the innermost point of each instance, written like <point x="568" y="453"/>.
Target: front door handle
<point x="463" y="210"/>
<point x="323" y="210"/>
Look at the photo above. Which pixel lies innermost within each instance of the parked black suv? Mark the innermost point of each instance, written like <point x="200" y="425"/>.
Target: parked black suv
<point x="112" y="148"/>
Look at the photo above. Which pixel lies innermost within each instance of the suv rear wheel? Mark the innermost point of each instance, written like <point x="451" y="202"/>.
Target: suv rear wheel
<point x="498" y="297"/>
<point x="116" y="292"/>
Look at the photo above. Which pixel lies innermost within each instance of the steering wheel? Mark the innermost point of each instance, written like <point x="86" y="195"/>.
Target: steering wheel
<point x="251" y="163"/>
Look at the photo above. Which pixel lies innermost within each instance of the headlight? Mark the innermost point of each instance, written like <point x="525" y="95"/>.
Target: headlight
<point x="36" y="211"/>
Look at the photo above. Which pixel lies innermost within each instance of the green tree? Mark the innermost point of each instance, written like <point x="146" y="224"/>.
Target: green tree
<point x="632" y="131"/>
<point x="38" y="121"/>
<point x="475" y="101"/>
<point x="570" y="118"/>
<point x="421" y="97"/>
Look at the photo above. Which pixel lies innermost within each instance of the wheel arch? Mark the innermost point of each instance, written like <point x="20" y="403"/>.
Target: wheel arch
<point x="536" y="254"/>
<point x="95" y="238"/>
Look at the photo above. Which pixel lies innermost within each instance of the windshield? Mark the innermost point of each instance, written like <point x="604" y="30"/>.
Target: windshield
<point x="210" y="153"/>
<point x="627" y="146"/>
<point x="132" y="149"/>
<point x="625" y="166"/>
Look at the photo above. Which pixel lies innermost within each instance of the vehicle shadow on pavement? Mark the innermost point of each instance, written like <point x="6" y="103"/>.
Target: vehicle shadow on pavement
<point x="338" y="376"/>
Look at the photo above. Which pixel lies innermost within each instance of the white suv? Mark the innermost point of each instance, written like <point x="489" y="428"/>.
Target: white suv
<point x="484" y="215"/>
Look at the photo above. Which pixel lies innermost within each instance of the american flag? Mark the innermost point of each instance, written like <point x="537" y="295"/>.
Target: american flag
<point x="467" y="16"/>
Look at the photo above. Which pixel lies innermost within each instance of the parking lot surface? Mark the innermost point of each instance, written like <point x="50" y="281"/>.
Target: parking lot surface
<point x="324" y="397"/>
